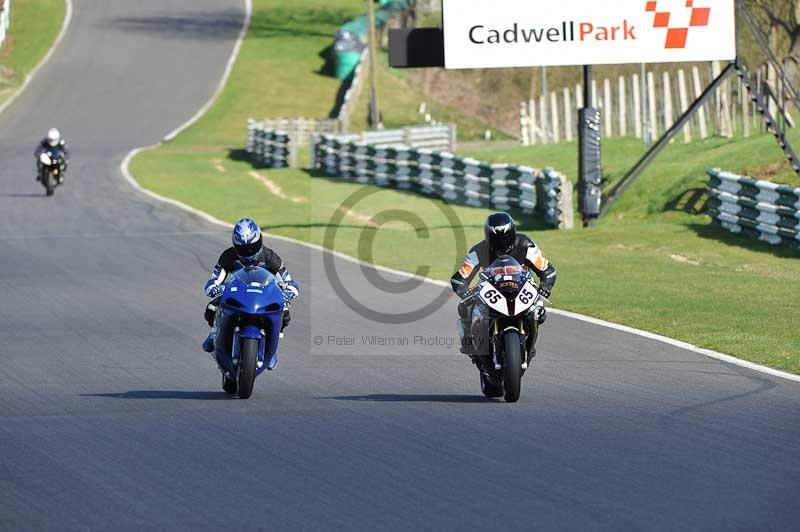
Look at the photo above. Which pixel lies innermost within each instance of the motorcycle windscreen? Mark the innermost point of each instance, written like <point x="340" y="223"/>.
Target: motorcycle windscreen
<point x="504" y="265"/>
<point x="254" y="276"/>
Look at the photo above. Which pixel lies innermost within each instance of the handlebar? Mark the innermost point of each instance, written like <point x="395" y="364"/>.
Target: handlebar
<point x="470" y="293"/>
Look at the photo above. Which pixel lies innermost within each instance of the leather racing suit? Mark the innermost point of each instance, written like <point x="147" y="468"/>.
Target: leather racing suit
<point x="474" y="330"/>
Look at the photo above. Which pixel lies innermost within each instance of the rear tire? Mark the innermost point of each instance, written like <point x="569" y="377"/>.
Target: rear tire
<point x="512" y="366"/>
<point x="247" y="367"/>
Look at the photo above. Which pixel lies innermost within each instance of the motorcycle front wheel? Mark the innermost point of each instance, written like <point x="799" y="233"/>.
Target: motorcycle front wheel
<point x="49" y="184"/>
<point x="512" y="366"/>
<point x="247" y="367"/>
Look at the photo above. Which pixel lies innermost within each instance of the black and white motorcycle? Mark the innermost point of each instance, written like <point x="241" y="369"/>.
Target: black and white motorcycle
<point x="509" y="303"/>
<point x="52" y="165"/>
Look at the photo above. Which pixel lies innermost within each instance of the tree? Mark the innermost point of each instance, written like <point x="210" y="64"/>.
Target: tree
<point x="780" y="20"/>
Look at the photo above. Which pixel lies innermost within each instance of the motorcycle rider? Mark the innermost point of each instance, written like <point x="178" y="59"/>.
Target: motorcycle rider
<point x="52" y="140"/>
<point x="249" y="250"/>
<point x="500" y="238"/>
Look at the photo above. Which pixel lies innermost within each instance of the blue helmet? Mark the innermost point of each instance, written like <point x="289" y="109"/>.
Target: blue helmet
<point x="247" y="240"/>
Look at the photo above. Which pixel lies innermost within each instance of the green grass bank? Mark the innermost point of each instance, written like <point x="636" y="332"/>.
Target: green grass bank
<point x="29" y="37"/>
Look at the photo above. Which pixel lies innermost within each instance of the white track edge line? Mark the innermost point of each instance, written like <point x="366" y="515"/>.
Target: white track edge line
<point x="65" y="22"/>
<point x="225" y="75"/>
<point x="573" y="315"/>
<point x="125" y="169"/>
<point x="680" y="344"/>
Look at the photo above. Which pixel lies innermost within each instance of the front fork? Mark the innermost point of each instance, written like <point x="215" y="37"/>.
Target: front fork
<point x="497" y="342"/>
<point x="237" y="344"/>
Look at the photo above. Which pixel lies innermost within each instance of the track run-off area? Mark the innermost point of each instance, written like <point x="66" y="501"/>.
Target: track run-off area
<point x="111" y="416"/>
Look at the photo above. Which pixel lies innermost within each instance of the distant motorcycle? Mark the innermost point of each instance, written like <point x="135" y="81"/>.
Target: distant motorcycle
<point x="52" y="165"/>
<point x="510" y="298"/>
<point x="249" y="323"/>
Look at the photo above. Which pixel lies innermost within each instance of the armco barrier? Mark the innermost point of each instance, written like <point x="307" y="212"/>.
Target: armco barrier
<point x="759" y="209"/>
<point x="442" y="174"/>
<point x="441" y="137"/>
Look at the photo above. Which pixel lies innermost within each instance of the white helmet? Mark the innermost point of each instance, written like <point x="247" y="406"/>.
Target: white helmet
<point x="53" y="137"/>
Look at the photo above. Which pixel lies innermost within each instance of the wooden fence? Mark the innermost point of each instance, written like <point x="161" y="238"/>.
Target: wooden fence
<point x="632" y="106"/>
<point x="301" y="130"/>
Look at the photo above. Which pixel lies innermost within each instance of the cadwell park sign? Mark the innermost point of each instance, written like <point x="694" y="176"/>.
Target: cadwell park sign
<point x="522" y="33"/>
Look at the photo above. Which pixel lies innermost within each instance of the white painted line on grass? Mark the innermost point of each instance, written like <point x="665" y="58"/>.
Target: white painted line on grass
<point x="64" y="25"/>
<point x="125" y="169"/>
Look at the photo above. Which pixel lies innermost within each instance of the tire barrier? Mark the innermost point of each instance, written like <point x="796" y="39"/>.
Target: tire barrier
<point x="273" y="142"/>
<point x="555" y="199"/>
<point x="444" y="175"/>
<point x="759" y="209"/>
<point x="353" y="84"/>
<point x="269" y="147"/>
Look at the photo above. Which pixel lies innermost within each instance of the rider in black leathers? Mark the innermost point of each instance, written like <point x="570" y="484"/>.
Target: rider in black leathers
<point x="52" y="140"/>
<point x="500" y="238"/>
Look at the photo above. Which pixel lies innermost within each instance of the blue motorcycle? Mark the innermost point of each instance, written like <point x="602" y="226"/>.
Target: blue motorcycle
<point x="249" y="323"/>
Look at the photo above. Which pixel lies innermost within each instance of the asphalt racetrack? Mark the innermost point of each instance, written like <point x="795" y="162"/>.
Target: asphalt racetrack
<point x="111" y="417"/>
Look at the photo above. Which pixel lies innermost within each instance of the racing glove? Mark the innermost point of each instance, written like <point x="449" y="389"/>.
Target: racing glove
<point x="540" y="312"/>
<point x="288" y="295"/>
<point x="290" y="291"/>
<point x="215" y="291"/>
<point x="544" y="292"/>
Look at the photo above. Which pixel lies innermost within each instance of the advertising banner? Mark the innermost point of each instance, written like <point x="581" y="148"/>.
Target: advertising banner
<point x="524" y="33"/>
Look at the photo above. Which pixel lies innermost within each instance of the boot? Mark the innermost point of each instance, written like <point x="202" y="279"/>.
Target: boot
<point x="491" y="386"/>
<point x="208" y="344"/>
<point x="465" y="340"/>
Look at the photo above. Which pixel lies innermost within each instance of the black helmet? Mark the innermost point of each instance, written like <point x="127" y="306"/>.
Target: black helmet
<point x="500" y="232"/>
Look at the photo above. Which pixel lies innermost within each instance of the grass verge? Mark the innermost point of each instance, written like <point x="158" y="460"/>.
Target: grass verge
<point x="654" y="264"/>
<point x="29" y="37"/>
